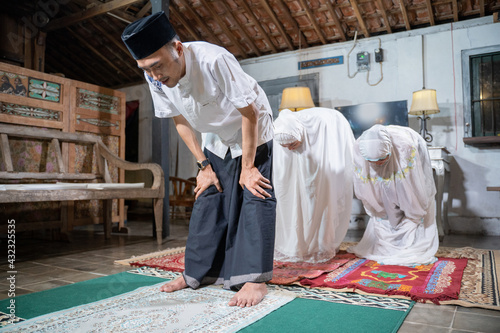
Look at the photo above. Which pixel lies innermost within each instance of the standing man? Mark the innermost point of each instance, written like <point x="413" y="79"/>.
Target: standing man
<point x="203" y="88"/>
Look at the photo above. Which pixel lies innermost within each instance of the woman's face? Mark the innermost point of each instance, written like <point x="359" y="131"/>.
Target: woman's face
<point x="382" y="161"/>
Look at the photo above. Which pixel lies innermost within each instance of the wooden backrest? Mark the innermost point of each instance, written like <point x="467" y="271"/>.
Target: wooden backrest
<point x="56" y="139"/>
<point x="182" y="190"/>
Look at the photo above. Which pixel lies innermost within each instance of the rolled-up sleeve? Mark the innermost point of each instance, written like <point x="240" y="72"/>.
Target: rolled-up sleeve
<point x="235" y="84"/>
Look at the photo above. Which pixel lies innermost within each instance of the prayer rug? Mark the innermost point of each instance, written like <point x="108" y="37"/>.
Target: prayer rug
<point x="436" y="282"/>
<point x="288" y="272"/>
<point x="283" y="272"/>
<point x="169" y="260"/>
<point x="479" y="286"/>
<point x="481" y="279"/>
<point x="148" y="310"/>
<point x="319" y="294"/>
<point x="320" y="315"/>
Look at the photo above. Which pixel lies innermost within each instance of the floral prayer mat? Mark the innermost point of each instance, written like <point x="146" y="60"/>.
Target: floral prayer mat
<point x="397" y="304"/>
<point x="436" y="282"/>
<point x="288" y="272"/>
<point x="147" y="310"/>
<point x="480" y="284"/>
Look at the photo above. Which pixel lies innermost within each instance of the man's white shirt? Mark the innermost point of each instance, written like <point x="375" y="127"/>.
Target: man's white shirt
<point x="209" y="96"/>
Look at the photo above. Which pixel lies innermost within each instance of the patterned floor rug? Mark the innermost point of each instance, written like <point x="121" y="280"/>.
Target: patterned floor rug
<point x="147" y="310"/>
<point x="479" y="285"/>
<point x="307" y="293"/>
<point x="436" y="282"/>
<point x="284" y="273"/>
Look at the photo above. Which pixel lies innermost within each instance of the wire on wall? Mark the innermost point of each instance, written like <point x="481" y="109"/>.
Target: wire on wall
<point x="368" y="70"/>
<point x="348" y="54"/>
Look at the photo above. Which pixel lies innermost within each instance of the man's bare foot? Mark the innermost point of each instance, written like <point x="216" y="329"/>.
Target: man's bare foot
<point x="175" y="285"/>
<point x="249" y="295"/>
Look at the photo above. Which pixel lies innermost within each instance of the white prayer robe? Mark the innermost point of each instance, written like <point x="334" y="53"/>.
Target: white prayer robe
<point x="313" y="184"/>
<point x="399" y="198"/>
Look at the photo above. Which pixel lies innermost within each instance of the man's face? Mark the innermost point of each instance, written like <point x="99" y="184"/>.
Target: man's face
<point x="165" y="65"/>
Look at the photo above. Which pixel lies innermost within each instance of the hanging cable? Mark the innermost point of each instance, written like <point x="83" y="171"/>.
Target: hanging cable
<point x="348" y="54"/>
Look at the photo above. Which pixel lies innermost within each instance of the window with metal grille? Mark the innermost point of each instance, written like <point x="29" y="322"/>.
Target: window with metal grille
<point x="481" y="89"/>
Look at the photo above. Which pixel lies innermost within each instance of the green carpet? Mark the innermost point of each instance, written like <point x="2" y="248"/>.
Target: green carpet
<point x="300" y="315"/>
<point x="304" y="315"/>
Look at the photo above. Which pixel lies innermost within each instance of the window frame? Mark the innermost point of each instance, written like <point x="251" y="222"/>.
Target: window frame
<point x="467" y="103"/>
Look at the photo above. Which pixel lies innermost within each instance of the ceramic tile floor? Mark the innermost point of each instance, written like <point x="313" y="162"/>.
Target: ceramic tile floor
<point x="43" y="264"/>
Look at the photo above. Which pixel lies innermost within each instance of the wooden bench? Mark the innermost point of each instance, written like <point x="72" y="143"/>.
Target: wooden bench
<point x="76" y="186"/>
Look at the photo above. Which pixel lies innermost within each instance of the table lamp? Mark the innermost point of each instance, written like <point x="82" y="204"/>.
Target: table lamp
<point x="424" y="103"/>
<point x="296" y="99"/>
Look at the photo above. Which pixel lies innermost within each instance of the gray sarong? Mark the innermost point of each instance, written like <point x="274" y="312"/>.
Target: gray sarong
<point x="231" y="233"/>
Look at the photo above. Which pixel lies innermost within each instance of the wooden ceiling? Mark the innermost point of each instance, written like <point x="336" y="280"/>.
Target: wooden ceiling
<point x="83" y="36"/>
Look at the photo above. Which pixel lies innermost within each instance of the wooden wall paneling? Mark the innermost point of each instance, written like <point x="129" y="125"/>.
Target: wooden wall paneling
<point x="100" y="111"/>
<point x="33" y="98"/>
<point x="38" y="99"/>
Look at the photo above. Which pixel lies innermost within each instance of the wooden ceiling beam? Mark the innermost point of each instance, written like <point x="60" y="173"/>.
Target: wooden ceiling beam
<point x="94" y="50"/>
<point x="336" y="20"/>
<point x="144" y="10"/>
<point x="122" y="16"/>
<point x="119" y="44"/>
<point x="383" y="12"/>
<point x="455" y="10"/>
<point x="224" y="28"/>
<point x="405" y="14"/>
<point x="80" y="16"/>
<point x="277" y="23"/>
<point x="286" y="12"/>
<point x="430" y="12"/>
<point x="175" y="13"/>
<point x="241" y="28"/>
<point x="92" y="73"/>
<point x="358" y="15"/>
<point x="313" y="21"/>
<point x="256" y="24"/>
<point x="200" y="21"/>
<point x="69" y="67"/>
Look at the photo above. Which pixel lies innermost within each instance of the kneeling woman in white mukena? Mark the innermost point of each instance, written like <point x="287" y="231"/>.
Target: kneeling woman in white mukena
<point x="393" y="178"/>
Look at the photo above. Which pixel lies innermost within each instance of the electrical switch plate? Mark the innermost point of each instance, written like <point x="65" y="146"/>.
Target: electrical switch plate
<point x="379" y="55"/>
<point x="363" y="61"/>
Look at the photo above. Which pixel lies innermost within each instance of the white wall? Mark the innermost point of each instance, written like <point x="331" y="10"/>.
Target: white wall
<point x="472" y="209"/>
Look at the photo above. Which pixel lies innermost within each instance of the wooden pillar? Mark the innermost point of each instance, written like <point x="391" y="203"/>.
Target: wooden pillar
<point x="160" y="142"/>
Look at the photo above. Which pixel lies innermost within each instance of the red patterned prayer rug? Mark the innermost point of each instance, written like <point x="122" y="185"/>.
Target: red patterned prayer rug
<point x="436" y="282"/>
<point x="172" y="262"/>
<point x="289" y="272"/>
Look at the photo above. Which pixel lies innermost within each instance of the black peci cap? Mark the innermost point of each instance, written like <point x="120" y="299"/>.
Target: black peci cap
<point x="147" y="35"/>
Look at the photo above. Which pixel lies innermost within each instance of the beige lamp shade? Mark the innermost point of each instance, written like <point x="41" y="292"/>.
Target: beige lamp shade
<point x="296" y="98"/>
<point x="424" y="102"/>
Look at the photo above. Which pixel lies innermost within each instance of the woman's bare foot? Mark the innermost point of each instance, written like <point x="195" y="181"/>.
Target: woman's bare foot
<point x="249" y="295"/>
<point x="175" y="285"/>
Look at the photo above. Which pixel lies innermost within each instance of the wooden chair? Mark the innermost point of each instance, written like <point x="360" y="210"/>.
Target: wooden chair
<point x="181" y="195"/>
